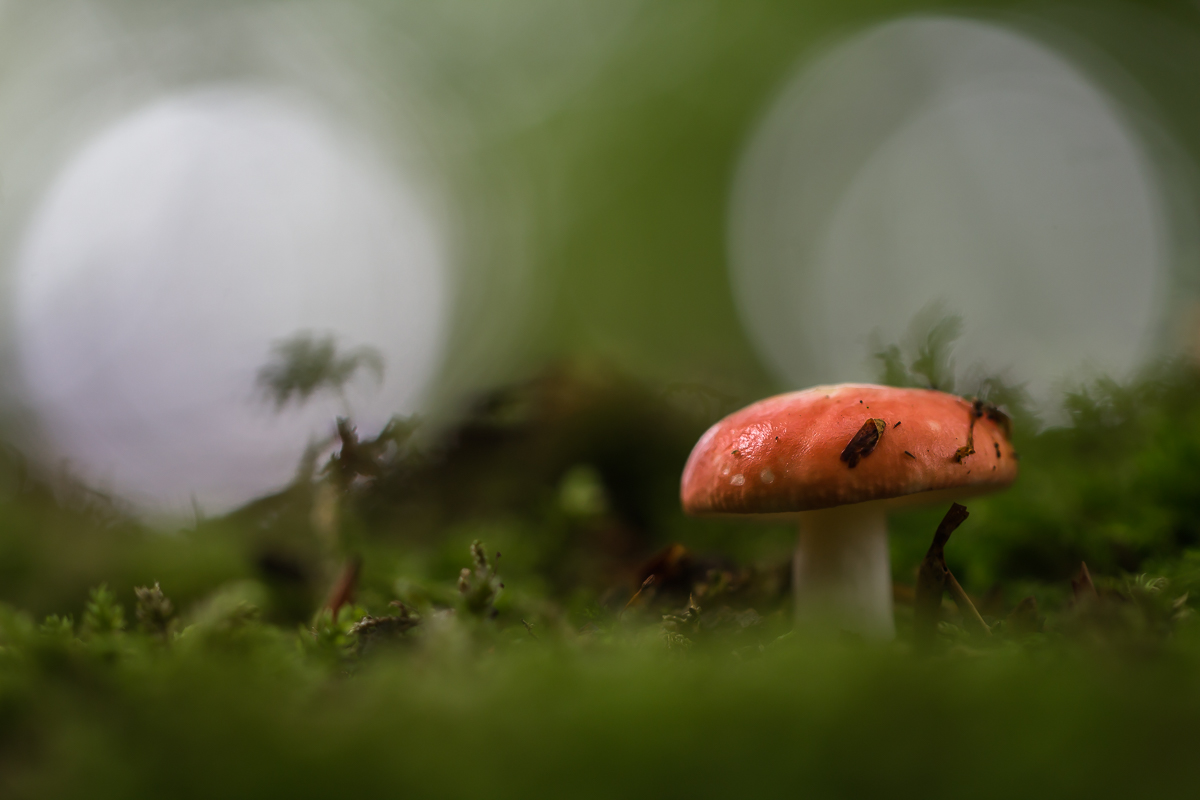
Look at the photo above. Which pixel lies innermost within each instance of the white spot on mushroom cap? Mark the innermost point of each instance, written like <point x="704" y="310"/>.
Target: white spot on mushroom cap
<point x="738" y="480"/>
<point x="767" y="476"/>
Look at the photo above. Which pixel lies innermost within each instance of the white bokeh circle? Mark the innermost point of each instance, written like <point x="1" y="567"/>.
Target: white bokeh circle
<point x="939" y="159"/>
<point x="171" y="253"/>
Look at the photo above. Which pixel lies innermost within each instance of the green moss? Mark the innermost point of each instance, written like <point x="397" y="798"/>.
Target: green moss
<point x="456" y="674"/>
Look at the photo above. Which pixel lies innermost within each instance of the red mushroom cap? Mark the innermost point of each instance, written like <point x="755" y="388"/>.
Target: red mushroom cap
<point x="794" y="452"/>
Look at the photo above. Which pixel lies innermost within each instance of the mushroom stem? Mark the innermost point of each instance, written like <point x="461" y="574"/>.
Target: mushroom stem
<point x="841" y="574"/>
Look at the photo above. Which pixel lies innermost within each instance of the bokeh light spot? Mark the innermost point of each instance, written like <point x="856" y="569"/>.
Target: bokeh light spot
<point x="936" y="159"/>
<point x="175" y="250"/>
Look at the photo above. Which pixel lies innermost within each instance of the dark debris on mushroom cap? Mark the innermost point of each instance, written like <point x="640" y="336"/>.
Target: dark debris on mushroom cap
<point x="785" y="454"/>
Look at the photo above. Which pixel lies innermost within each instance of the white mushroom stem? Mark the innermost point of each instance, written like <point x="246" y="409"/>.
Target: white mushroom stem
<point x="841" y="574"/>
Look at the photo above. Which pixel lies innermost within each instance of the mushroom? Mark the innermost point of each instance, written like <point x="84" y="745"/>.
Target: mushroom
<point x="837" y="459"/>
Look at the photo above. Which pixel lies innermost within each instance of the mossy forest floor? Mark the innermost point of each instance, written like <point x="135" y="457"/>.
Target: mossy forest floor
<point x="615" y="648"/>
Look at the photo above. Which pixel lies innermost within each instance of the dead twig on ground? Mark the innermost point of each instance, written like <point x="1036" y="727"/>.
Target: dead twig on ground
<point x="934" y="579"/>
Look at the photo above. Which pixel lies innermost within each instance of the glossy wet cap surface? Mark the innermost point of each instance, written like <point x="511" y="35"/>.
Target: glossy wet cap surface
<point x="850" y="443"/>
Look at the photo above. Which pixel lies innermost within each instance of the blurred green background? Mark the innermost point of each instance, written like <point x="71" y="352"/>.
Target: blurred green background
<point x="577" y="163"/>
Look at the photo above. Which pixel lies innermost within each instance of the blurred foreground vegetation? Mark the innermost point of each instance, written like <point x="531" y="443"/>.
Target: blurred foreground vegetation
<point x="601" y="643"/>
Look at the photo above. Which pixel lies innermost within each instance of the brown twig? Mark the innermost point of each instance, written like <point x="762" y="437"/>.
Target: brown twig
<point x="343" y="590"/>
<point x="1081" y="584"/>
<point x="1024" y="618"/>
<point x="933" y="578"/>
<point x="969" y="448"/>
<point x="965" y="606"/>
<point x="646" y="584"/>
